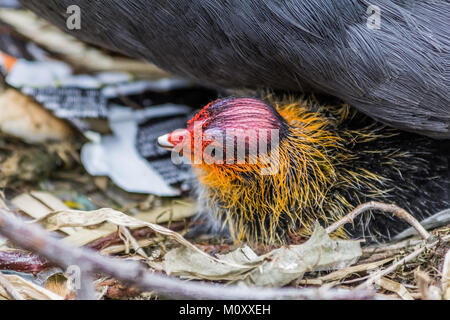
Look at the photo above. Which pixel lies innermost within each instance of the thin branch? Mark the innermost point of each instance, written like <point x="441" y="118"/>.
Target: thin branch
<point x="384" y="207"/>
<point x="86" y="291"/>
<point x="138" y="234"/>
<point x="378" y="275"/>
<point x="33" y="238"/>
<point x="9" y="288"/>
<point x="22" y="261"/>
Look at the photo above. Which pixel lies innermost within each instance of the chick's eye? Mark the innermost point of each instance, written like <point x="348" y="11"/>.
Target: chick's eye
<point x="179" y="136"/>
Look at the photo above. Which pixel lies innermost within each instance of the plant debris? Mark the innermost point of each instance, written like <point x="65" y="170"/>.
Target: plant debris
<point x="276" y="268"/>
<point x="129" y="236"/>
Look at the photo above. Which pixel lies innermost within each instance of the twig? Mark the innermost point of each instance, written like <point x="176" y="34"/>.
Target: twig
<point x="141" y="233"/>
<point x="86" y="290"/>
<point x="33" y="238"/>
<point x="22" y="261"/>
<point x="378" y="275"/>
<point x="392" y="247"/>
<point x="10" y="290"/>
<point x="384" y="207"/>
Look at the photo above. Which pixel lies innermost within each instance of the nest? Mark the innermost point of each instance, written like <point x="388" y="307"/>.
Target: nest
<point x="71" y="204"/>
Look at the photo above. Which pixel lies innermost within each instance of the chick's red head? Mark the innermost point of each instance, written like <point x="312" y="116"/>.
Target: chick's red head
<point x="228" y="131"/>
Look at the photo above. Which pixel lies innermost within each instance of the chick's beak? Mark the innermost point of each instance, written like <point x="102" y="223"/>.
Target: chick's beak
<point x="163" y="142"/>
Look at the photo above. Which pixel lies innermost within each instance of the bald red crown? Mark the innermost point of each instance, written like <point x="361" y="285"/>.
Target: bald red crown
<point x="239" y="113"/>
<point x="240" y="127"/>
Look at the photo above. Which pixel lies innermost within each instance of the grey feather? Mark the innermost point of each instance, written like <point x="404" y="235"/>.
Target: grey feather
<point x="398" y="74"/>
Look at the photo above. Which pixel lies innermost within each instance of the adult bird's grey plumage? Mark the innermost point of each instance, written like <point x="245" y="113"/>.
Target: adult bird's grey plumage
<point x="398" y="74"/>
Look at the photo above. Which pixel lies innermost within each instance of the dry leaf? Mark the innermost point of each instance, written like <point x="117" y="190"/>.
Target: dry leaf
<point x="2" y="201"/>
<point x="29" y="290"/>
<point x="320" y="252"/>
<point x="40" y="204"/>
<point x="277" y="268"/>
<point x="74" y="218"/>
<point x="122" y="248"/>
<point x="188" y="264"/>
<point x="175" y="211"/>
<point x="396" y="287"/>
<point x="23" y="118"/>
<point x="343" y="273"/>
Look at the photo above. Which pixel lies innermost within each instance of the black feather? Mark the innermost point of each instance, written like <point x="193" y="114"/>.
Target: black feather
<point x="398" y="74"/>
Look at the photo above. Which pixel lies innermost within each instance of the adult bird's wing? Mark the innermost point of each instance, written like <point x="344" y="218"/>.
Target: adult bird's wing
<point x="398" y="74"/>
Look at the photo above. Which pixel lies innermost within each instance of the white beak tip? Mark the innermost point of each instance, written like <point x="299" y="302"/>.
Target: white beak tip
<point x="163" y="141"/>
